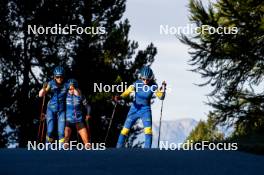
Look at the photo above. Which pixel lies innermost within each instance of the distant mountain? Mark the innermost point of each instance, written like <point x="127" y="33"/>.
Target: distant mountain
<point x="174" y="131"/>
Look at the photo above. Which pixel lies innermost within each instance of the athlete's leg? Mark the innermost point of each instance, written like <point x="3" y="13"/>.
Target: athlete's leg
<point x="61" y="126"/>
<point x="67" y="134"/>
<point x="88" y="129"/>
<point x="50" y="125"/>
<point x="131" y="119"/>
<point x="84" y="134"/>
<point x="147" y="122"/>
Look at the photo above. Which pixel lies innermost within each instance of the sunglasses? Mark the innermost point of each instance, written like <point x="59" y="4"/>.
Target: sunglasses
<point x="58" y="77"/>
<point x="72" y="85"/>
<point x="144" y="79"/>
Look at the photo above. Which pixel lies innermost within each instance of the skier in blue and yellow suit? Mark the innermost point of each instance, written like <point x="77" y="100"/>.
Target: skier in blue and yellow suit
<point x="144" y="89"/>
<point x="56" y="106"/>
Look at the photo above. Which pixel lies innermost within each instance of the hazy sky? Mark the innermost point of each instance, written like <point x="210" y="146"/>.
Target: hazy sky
<point x="186" y="100"/>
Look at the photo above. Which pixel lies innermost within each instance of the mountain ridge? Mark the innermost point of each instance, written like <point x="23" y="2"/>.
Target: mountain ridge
<point x="173" y="131"/>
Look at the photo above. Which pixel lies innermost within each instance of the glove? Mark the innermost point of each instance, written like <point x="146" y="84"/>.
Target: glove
<point x="42" y="116"/>
<point x="163" y="86"/>
<point x="87" y="117"/>
<point x="116" y="98"/>
<point x="45" y="85"/>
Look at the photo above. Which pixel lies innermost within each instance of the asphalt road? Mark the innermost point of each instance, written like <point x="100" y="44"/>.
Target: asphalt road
<point x="129" y="161"/>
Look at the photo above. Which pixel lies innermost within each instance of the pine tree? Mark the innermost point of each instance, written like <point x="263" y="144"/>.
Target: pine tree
<point x="206" y="131"/>
<point x="27" y="59"/>
<point x="231" y="63"/>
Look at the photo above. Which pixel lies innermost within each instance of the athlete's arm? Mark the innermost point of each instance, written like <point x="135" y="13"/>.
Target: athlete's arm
<point x="44" y="90"/>
<point x="128" y="91"/>
<point x="74" y="91"/>
<point x="125" y="94"/>
<point x="160" y="93"/>
<point x="77" y="92"/>
<point x="86" y="106"/>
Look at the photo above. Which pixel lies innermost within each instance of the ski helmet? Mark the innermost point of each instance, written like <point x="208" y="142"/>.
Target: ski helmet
<point x="59" y="71"/>
<point x="146" y="73"/>
<point x="73" y="82"/>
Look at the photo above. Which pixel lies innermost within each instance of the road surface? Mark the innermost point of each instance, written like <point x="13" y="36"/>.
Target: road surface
<point x="129" y="161"/>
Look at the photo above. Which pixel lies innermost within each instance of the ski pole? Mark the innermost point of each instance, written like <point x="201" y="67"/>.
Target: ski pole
<point x="41" y="121"/>
<point x="75" y="118"/>
<point x="88" y="130"/>
<point x="43" y="126"/>
<point x="110" y="123"/>
<point x="160" y="122"/>
<point x="161" y="116"/>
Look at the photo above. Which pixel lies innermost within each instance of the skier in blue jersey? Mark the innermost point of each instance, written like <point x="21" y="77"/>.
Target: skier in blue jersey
<point x="77" y="111"/>
<point x="144" y="88"/>
<point x="56" y="106"/>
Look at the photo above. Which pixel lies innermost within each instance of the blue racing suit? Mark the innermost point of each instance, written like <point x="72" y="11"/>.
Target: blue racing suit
<point x="140" y="109"/>
<point x="74" y="108"/>
<point x="56" y="110"/>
